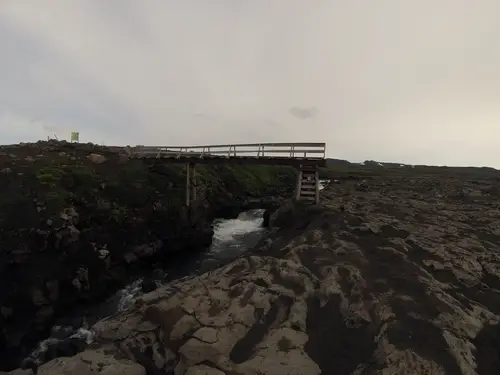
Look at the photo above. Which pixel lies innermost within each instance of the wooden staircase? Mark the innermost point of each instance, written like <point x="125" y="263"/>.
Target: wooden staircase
<point x="308" y="184"/>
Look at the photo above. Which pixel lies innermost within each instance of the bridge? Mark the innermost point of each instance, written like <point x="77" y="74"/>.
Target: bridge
<point x="306" y="157"/>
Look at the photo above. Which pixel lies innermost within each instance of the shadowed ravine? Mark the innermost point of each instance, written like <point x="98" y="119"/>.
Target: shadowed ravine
<point x="231" y="238"/>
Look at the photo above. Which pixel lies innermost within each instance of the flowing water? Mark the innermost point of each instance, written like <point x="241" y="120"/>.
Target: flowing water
<point x="232" y="237"/>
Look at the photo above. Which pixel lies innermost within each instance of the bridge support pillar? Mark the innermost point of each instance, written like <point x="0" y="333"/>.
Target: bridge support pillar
<point x="190" y="183"/>
<point x="307" y="184"/>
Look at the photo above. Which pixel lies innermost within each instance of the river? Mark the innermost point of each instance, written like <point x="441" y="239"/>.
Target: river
<point x="232" y="237"/>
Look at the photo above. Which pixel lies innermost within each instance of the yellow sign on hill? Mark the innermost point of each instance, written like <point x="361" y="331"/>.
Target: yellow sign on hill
<point x="75" y="136"/>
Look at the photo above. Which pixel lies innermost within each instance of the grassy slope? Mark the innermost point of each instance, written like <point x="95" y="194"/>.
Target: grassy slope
<point x="55" y="176"/>
<point x="40" y="181"/>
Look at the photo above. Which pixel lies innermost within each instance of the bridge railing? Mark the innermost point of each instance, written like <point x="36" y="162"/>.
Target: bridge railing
<point x="255" y="150"/>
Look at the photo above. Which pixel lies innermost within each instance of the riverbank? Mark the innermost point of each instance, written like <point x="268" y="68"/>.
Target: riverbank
<point x="77" y="220"/>
<point x="395" y="275"/>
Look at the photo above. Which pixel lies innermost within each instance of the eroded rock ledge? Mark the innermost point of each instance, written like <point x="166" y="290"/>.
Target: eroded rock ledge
<point x="399" y="276"/>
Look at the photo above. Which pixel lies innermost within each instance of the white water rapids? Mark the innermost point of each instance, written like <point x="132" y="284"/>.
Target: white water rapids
<point x="232" y="237"/>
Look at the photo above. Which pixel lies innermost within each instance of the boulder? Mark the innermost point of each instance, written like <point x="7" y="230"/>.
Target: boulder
<point x="97" y="158"/>
<point x="148" y="285"/>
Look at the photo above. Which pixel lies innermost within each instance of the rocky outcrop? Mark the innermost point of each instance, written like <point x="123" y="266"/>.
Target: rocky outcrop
<point x="78" y="220"/>
<point x="394" y="276"/>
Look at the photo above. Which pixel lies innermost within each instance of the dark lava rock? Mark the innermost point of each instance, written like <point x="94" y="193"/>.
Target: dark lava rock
<point x="266" y="218"/>
<point x="65" y="348"/>
<point x="148" y="285"/>
<point x="402" y="280"/>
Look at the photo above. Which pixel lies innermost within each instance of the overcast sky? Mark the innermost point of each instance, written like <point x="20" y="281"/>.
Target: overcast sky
<point x="391" y="80"/>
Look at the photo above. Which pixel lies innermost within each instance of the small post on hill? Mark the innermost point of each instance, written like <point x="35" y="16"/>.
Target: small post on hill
<point x="75" y="137"/>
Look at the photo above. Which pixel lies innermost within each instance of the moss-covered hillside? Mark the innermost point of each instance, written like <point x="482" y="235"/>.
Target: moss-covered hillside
<point x="77" y="219"/>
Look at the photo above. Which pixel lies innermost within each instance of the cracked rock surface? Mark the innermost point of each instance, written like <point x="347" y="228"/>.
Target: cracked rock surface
<point x="401" y="276"/>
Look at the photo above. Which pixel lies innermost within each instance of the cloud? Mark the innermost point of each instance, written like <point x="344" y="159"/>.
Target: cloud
<point x="415" y="82"/>
<point x="303" y="113"/>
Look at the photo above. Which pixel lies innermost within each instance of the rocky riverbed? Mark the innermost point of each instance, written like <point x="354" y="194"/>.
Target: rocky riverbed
<point x="72" y="333"/>
<point x="396" y="275"/>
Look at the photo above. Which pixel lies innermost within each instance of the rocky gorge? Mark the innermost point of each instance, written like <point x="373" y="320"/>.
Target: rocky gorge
<point x="79" y="221"/>
<point x="391" y="275"/>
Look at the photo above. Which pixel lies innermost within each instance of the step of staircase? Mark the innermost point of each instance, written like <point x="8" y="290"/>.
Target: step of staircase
<point x="308" y="184"/>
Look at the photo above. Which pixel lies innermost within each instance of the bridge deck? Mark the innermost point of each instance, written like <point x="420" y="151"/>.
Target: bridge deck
<point x="263" y="153"/>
